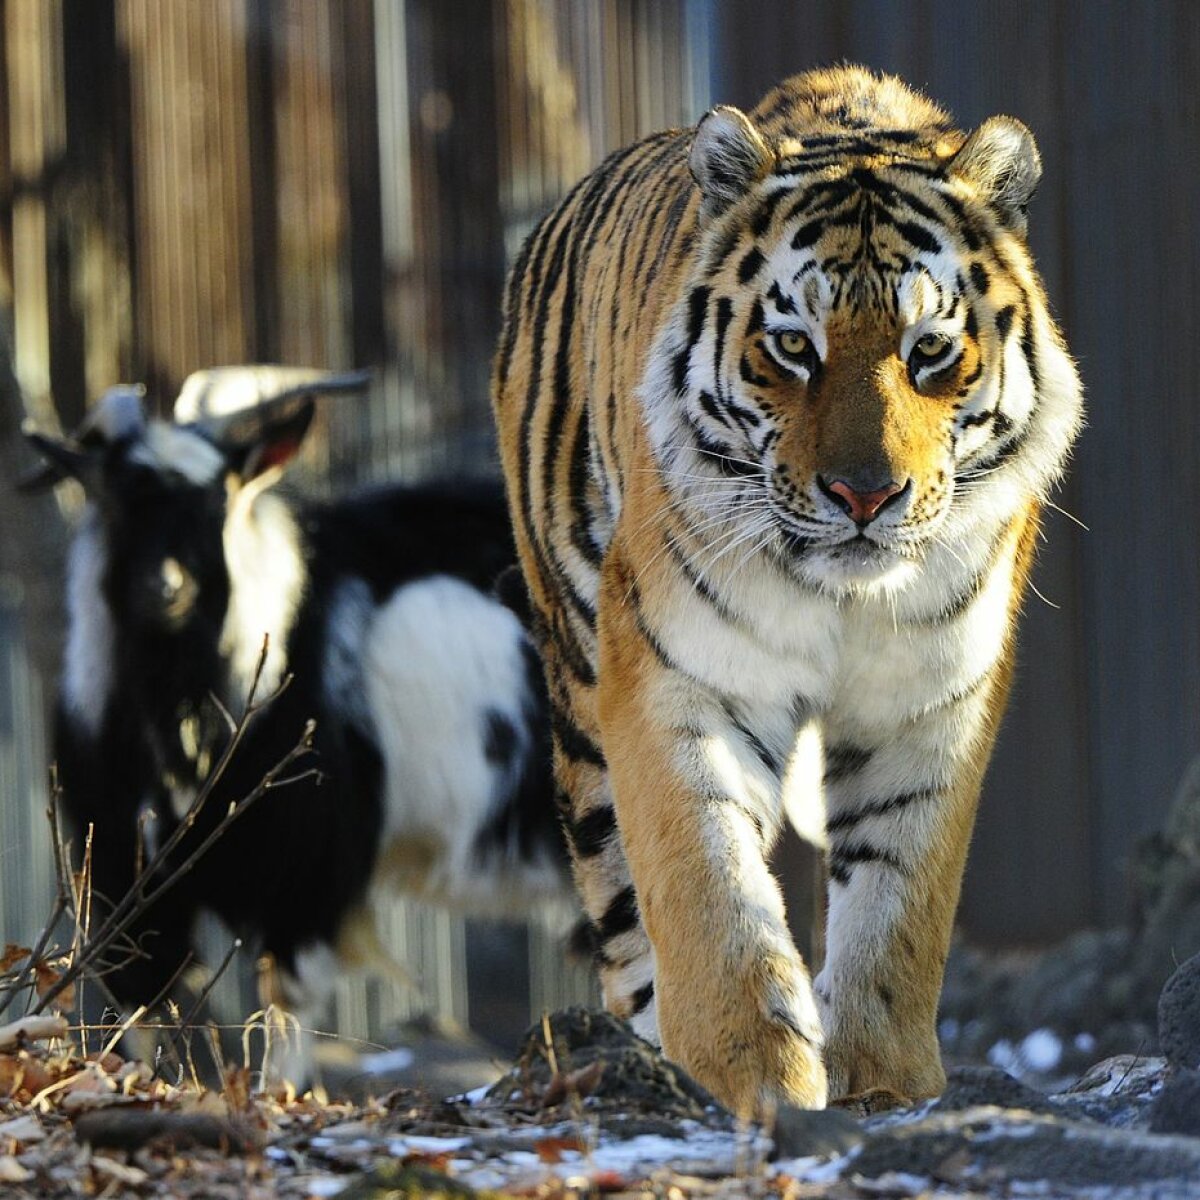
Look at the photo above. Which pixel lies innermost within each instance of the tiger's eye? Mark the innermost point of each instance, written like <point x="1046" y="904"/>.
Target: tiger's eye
<point x="794" y="343"/>
<point x="932" y="345"/>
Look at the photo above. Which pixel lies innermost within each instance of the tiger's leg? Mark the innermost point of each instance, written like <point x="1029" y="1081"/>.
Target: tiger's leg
<point x="622" y="952"/>
<point x="735" y="1004"/>
<point x="899" y="817"/>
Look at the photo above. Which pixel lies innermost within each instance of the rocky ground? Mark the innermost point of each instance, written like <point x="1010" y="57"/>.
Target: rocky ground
<point x="1092" y="1090"/>
<point x="587" y="1109"/>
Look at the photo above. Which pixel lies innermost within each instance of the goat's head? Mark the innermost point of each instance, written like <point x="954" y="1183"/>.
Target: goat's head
<point x="162" y="491"/>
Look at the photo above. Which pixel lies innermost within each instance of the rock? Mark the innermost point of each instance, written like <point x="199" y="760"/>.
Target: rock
<point x="132" y="1128"/>
<point x="393" y="1181"/>
<point x="1123" y="1074"/>
<point x="1179" y="1016"/>
<point x="997" y="1149"/>
<point x="1167" y="874"/>
<point x="1176" y="1108"/>
<point x="970" y="1087"/>
<point x="1119" y="1092"/>
<point x="593" y="1056"/>
<point x="809" y="1133"/>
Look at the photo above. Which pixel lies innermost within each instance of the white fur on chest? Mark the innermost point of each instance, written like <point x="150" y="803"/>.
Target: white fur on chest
<point x="804" y="671"/>
<point x="891" y="672"/>
<point x="880" y="659"/>
<point x="267" y="581"/>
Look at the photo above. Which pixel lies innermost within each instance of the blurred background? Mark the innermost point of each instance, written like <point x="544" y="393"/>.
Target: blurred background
<point x="338" y="183"/>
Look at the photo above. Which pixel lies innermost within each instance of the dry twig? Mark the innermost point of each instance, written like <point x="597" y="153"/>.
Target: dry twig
<point x="150" y="885"/>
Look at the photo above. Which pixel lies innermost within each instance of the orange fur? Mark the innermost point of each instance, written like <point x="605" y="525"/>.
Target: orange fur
<point x="717" y="337"/>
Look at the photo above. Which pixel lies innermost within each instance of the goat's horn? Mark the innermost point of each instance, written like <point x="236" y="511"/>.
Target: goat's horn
<point x="117" y="414"/>
<point x="213" y="399"/>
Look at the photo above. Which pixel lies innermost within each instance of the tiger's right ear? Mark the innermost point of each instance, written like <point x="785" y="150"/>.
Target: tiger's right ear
<point x="728" y="154"/>
<point x="1000" y="159"/>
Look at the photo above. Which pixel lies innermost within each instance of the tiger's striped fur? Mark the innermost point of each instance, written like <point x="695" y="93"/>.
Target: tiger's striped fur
<point x="779" y="399"/>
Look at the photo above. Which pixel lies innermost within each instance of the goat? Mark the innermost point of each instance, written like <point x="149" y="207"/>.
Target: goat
<point x="431" y="730"/>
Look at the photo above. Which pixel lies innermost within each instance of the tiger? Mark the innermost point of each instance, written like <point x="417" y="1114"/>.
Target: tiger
<point x="780" y="402"/>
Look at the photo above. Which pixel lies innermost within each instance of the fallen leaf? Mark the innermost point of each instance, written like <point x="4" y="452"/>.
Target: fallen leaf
<point x="110" y="1170"/>
<point x="609" y="1181"/>
<point x="46" y="977"/>
<point x="439" y="1161"/>
<point x="550" y="1149"/>
<point x="108" y="1061"/>
<point x="237" y="1090"/>
<point x="11" y="1171"/>
<point x="33" y="1076"/>
<point x="10" y="1070"/>
<point x="13" y="955"/>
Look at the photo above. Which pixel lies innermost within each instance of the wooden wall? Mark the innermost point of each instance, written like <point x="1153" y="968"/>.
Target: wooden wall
<point x="337" y="182"/>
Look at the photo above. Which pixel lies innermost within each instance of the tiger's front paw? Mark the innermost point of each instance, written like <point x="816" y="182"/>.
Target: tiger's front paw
<point x="909" y="1067"/>
<point x="753" y="1040"/>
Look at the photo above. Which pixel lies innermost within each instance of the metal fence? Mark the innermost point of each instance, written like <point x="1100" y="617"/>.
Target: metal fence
<point x="341" y="182"/>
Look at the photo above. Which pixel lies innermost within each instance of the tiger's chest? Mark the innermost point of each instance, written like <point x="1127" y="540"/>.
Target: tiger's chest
<point x="779" y="681"/>
<point x="862" y="666"/>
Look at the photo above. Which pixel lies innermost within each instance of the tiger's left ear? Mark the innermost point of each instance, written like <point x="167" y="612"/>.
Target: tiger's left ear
<point x="728" y="154"/>
<point x="1001" y="159"/>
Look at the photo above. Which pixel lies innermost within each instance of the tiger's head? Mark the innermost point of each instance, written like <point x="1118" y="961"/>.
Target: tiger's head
<point x="863" y="364"/>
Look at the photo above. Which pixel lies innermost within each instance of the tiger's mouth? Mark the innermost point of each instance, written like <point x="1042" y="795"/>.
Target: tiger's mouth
<point x="857" y="565"/>
<point x="845" y="561"/>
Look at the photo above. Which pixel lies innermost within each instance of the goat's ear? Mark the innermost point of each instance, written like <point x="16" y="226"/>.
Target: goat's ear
<point x="262" y="442"/>
<point x="1001" y="160"/>
<point x="62" y="459"/>
<point x="117" y="415"/>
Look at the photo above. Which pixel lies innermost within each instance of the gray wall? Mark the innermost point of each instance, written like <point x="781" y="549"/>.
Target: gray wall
<point x="1106" y="712"/>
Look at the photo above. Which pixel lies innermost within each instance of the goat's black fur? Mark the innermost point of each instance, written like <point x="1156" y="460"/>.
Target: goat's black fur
<point x="152" y="566"/>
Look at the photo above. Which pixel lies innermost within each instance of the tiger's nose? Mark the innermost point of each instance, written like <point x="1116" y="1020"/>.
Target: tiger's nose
<point x="862" y="507"/>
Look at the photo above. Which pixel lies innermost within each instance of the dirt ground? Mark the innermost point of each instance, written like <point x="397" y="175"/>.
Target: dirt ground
<point x="585" y="1109"/>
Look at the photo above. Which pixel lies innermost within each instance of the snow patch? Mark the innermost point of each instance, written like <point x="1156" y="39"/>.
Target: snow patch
<point x="410" y="1142"/>
<point x="895" y="1183"/>
<point x="326" y="1185"/>
<point x="815" y="1168"/>
<point x="1042" y="1050"/>
<point x="1039" y="1051"/>
<point x="699" y="1151"/>
<point x="386" y="1061"/>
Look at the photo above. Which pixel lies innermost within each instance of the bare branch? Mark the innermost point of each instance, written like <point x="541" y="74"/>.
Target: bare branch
<point x="206" y="991"/>
<point x="147" y="887"/>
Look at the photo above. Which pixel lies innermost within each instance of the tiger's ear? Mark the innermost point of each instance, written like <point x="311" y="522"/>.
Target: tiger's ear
<point x="1001" y="159"/>
<point x="728" y="154"/>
